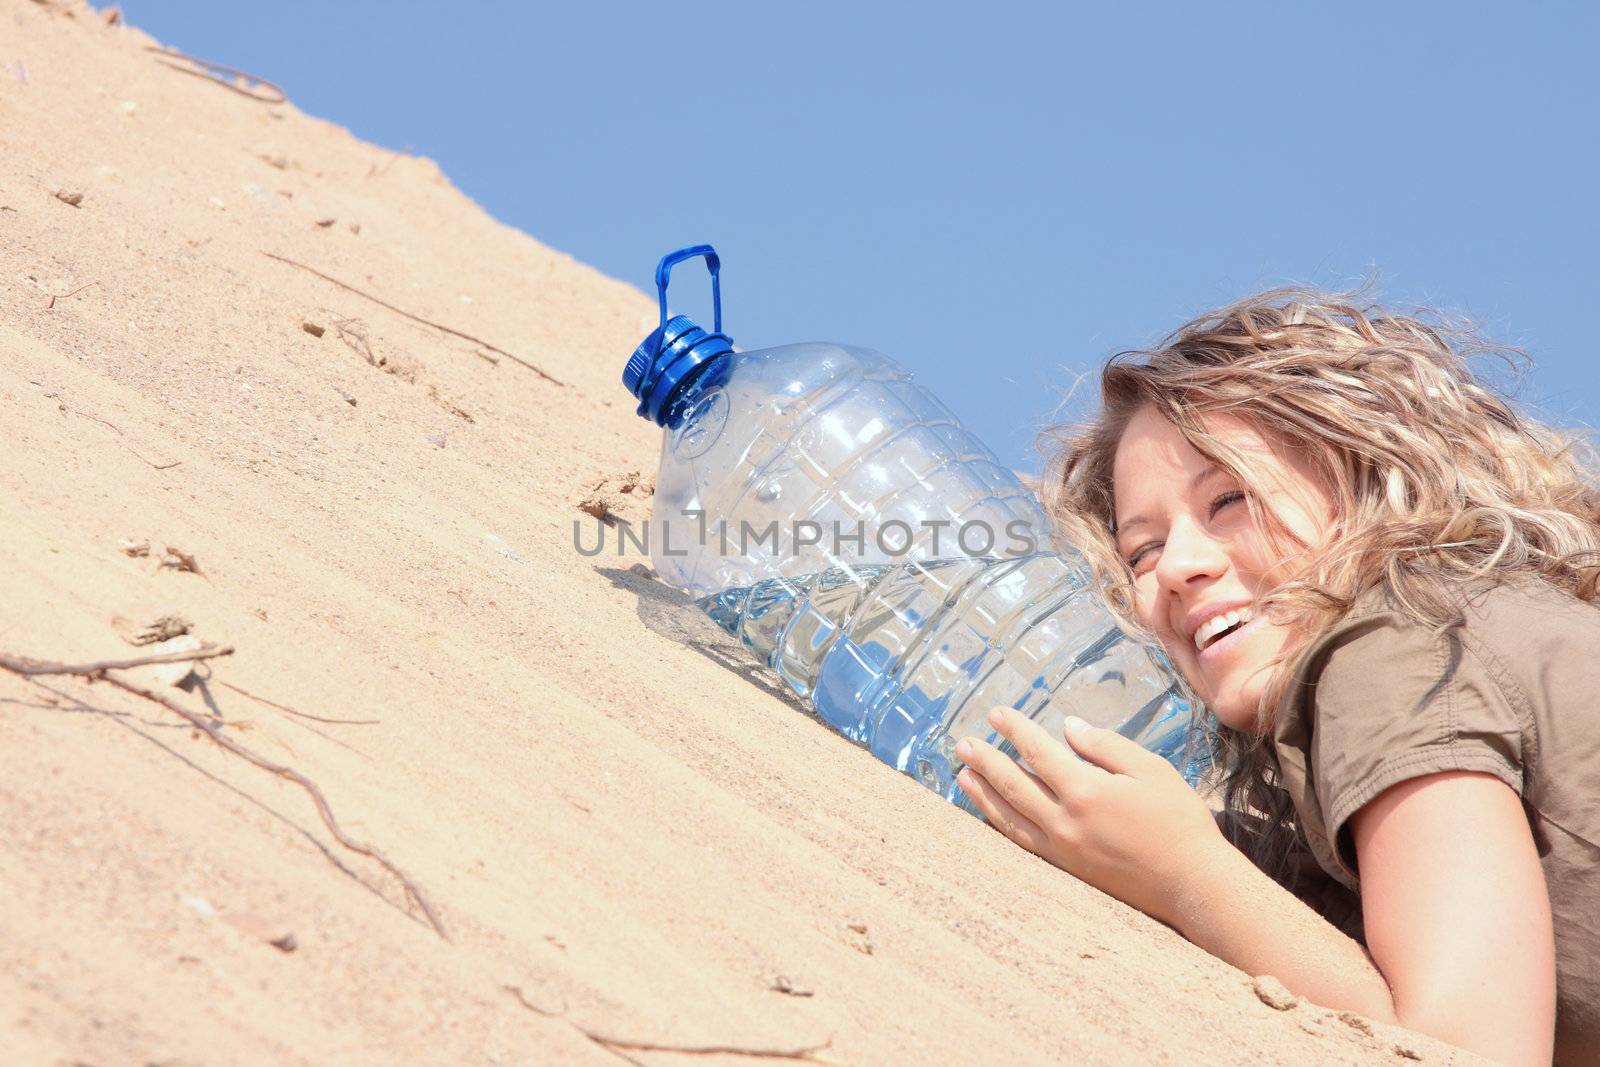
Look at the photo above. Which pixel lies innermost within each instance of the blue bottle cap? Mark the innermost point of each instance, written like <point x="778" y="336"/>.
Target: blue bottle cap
<point x="678" y="352"/>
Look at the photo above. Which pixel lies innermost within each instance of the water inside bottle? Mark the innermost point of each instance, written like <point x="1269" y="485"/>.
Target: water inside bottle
<point x="906" y="659"/>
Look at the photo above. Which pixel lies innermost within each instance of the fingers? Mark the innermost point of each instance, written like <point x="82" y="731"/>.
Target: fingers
<point x="1023" y="791"/>
<point x="1109" y="749"/>
<point x="1000" y="813"/>
<point x="1049" y="759"/>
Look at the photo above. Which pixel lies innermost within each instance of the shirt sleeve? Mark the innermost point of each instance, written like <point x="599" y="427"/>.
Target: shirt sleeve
<point x="1397" y="700"/>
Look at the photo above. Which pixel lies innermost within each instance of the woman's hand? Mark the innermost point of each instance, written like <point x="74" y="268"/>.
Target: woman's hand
<point x="1121" y="819"/>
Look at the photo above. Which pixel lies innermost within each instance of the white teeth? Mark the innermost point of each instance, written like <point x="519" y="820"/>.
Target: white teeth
<point x="1212" y="627"/>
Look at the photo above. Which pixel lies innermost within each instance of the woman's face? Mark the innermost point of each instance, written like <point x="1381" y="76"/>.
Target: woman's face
<point x="1199" y="562"/>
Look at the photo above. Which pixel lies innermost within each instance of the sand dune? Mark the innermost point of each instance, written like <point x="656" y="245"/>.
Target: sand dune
<point x="630" y="837"/>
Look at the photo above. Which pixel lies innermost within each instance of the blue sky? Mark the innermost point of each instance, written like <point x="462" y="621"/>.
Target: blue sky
<point x="998" y="195"/>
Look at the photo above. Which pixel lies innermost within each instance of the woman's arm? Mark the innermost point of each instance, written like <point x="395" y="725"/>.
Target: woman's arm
<point x="1234" y="911"/>
<point x="1457" y="914"/>
<point x="1453" y="899"/>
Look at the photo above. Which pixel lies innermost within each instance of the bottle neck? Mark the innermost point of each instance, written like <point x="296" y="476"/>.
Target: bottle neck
<point x="703" y="378"/>
<point x="668" y="361"/>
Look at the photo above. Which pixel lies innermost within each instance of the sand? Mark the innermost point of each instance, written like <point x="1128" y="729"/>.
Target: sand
<point x="630" y="837"/>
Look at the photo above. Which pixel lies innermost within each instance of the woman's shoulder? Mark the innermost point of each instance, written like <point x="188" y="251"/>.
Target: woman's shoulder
<point x="1383" y="680"/>
<point x="1506" y="619"/>
<point x="1381" y="697"/>
<point x="1517" y="635"/>
<point x="1504" y="688"/>
<point x="1520" y="606"/>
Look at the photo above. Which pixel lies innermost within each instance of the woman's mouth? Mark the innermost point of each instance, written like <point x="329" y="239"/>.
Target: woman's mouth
<point x="1223" y="632"/>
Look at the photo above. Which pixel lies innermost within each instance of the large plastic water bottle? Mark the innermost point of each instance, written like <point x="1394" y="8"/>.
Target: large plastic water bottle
<point x="837" y="518"/>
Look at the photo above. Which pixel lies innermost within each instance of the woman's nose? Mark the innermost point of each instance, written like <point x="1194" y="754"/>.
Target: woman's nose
<point x="1190" y="556"/>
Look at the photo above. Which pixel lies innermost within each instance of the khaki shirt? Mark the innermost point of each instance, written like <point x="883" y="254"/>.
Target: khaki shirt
<point x="1514" y="692"/>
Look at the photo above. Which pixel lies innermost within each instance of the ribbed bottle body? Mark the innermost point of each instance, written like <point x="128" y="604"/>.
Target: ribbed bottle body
<point x="812" y="456"/>
<point x="838" y="519"/>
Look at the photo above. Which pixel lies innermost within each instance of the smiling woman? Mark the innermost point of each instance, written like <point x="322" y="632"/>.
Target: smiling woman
<point x="1379" y="579"/>
<point x="1189" y="526"/>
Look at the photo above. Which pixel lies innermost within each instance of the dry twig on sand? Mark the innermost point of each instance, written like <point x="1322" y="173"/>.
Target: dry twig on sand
<point x="415" y="318"/>
<point x="62" y="296"/>
<point x="244" y="83"/>
<point x="61" y="405"/>
<point x="299" y="714"/>
<point x="620" y="1047"/>
<point x="353" y="333"/>
<point x="183" y="561"/>
<point x="212" y="728"/>
<point x="96" y="671"/>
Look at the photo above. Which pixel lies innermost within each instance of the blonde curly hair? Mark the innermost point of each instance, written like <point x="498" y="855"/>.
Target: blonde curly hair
<point x="1435" y="477"/>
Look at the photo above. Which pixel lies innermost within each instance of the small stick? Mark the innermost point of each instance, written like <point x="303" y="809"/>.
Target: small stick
<point x="353" y="333"/>
<point x="211" y="728"/>
<point x="62" y="296"/>
<point x="275" y="94"/>
<point x="414" y="318"/>
<point x="28" y="667"/>
<point x="185" y="562"/>
<point x="618" y="1045"/>
<point x="118" y="430"/>
<point x="299" y="714"/>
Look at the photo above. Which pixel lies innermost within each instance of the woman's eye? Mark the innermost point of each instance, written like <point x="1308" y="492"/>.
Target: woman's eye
<point x="1231" y="497"/>
<point x="1142" y="553"/>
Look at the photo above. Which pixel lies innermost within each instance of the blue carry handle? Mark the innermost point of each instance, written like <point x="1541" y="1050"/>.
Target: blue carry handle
<point x="678" y="354"/>
<point x="713" y="264"/>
